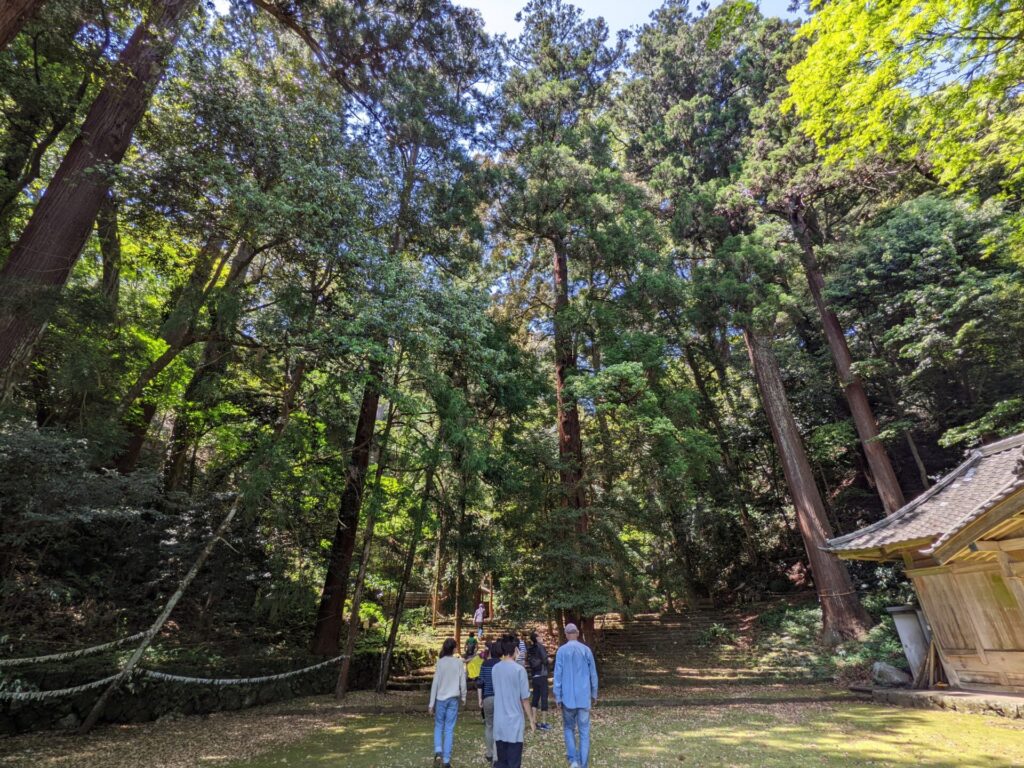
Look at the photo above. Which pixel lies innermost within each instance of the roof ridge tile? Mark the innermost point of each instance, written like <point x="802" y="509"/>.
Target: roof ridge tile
<point x="985" y="476"/>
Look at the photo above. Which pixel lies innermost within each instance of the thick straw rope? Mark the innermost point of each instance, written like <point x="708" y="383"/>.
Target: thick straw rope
<point x="164" y="677"/>
<point x="68" y="655"/>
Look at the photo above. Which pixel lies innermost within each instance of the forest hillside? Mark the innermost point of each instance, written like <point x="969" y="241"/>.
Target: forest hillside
<point x="572" y="324"/>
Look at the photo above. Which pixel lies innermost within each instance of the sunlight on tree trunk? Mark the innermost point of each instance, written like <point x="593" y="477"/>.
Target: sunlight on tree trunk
<point x="843" y="616"/>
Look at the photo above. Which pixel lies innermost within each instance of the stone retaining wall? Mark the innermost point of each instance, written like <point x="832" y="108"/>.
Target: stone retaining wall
<point x="145" y="699"/>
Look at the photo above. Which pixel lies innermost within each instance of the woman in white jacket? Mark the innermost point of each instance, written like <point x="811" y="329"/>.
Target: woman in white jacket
<point x="446" y="692"/>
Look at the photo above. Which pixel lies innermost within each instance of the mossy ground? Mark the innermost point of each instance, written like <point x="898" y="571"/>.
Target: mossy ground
<point x="769" y="726"/>
<point x="753" y="730"/>
<point x="745" y="702"/>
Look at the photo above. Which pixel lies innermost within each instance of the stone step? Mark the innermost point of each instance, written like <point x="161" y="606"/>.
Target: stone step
<point x="398" y="685"/>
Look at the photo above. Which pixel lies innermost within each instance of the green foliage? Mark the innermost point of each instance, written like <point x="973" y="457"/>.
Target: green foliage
<point x="930" y="84"/>
<point x="790" y="632"/>
<point x="716" y="634"/>
<point x="46" y="475"/>
<point x="940" y="317"/>
<point x="302" y="219"/>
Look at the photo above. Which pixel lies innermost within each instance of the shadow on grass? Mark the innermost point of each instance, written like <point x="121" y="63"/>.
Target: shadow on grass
<point x="760" y="732"/>
<point x="857" y="735"/>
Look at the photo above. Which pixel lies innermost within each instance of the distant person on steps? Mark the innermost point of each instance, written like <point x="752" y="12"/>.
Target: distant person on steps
<point x="478" y="618"/>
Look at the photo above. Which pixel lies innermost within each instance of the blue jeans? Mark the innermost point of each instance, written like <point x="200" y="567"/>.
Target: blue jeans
<point x="573" y="720"/>
<point x="446" y="712"/>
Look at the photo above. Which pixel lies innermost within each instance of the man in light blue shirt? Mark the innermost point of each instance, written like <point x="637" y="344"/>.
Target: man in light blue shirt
<point x="575" y="691"/>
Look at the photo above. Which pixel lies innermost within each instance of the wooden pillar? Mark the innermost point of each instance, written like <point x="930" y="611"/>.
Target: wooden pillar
<point x="1013" y="581"/>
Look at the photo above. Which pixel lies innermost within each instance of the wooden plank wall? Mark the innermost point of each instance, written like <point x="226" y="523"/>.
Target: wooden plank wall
<point x="978" y="625"/>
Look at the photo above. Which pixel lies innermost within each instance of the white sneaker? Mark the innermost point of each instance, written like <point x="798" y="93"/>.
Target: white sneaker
<point x="574" y="764"/>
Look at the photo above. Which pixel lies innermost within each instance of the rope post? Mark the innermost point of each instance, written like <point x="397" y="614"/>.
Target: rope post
<point x="129" y="667"/>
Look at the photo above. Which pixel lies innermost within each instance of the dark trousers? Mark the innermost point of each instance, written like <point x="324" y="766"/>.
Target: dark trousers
<point x="510" y="754"/>
<point x="539" y="700"/>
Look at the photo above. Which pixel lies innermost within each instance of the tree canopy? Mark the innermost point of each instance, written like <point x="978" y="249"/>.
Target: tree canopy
<point x="602" y="322"/>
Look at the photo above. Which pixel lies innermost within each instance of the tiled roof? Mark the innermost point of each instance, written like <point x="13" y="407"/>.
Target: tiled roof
<point x="988" y="476"/>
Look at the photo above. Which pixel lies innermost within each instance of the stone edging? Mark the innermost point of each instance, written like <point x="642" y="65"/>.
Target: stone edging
<point x="969" y="702"/>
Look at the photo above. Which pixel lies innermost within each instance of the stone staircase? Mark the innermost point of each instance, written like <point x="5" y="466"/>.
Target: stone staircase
<point x="691" y="633"/>
<point x="420" y="679"/>
<point x="702" y="647"/>
<point x="671" y="648"/>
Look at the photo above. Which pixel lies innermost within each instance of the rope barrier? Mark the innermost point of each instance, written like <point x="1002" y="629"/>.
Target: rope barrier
<point x="56" y="694"/>
<point x="163" y="677"/>
<point x="68" y="655"/>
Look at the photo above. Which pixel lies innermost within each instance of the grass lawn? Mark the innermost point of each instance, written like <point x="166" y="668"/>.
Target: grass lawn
<point x="771" y="732"/>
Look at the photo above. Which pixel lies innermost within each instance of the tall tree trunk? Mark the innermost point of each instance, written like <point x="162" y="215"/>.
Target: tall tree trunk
<point x="459" y="565"/>
<point x="603" y="431"/>
<point x="13" y="16"/>
<point x="922" y="471"/>
<point x="217" y="354"/>
<point x="410" y="560"/>
<point x="364" y="562"/>
<point x="332" y="598"/>
<point x="570" y="440"/>
<point x="843" y="616"/>
<point x="435" y="592"/>
<point x="327" y="632"/>
<point x="109" y="235"/>
<point x="41" y="261"/>
<point x="805" y="228"/>
<point x="295" y="378"/>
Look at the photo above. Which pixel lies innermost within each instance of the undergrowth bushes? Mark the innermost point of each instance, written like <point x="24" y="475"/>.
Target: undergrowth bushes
<point x="788" y="635"/>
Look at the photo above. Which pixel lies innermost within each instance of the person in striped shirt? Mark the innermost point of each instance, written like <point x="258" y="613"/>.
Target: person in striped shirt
<point x="485" y="697"/>
<point x="520" y="650"/>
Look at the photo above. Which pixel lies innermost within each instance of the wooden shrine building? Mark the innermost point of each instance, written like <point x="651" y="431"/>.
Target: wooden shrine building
<point x="962" y="542"/>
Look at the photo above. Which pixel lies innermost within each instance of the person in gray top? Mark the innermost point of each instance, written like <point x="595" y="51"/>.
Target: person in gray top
<point x="511" y="706"/>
